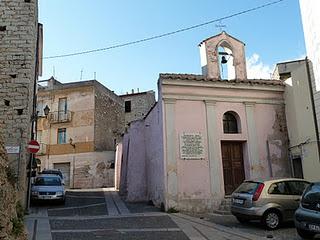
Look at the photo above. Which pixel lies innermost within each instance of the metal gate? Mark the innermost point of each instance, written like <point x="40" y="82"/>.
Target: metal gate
<point x="65" y="169"/>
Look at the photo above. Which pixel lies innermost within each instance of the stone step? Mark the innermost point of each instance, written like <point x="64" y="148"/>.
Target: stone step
<point x="225" y="204"/>
<point x="222" y="212"/>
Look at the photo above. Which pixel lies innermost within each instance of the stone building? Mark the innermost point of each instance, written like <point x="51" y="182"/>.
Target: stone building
<point x="206" y="134"/>
<point x="18" y="74"/>
<point x="80" y="133"/>
<point x="137" y="105"/>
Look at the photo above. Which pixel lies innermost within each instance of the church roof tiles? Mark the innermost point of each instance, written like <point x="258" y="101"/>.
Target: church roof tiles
<point x="202" y="78"/>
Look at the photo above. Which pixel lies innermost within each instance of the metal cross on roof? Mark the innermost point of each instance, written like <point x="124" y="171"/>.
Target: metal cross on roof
<point x="221" y="26"/>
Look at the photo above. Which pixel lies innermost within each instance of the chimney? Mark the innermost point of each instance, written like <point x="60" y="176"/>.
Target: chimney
<point x="138" y="90"/>
<point x="132" y="90"/>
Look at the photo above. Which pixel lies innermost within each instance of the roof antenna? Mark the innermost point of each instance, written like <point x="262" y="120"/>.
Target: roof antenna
<point x="53" y="71"/>
<point x="81" y="72"/>
<point x="94" y="75"/>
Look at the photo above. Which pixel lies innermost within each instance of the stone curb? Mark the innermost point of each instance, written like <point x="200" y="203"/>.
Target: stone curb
<point x="230" y="231"/>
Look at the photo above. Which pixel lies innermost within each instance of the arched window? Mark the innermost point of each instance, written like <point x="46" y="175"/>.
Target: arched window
<point x="230" y="123"/>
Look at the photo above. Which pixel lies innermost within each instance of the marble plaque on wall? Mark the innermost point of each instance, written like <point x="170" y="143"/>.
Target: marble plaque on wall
<point x="191" y="146"/>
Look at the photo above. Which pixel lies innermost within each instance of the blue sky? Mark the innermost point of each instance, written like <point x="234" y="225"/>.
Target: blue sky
<point x="271" y="35"/>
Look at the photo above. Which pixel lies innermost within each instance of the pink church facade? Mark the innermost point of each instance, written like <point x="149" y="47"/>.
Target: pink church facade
<point x="205" y="135"/>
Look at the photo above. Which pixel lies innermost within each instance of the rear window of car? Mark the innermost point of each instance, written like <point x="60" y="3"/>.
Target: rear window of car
<point x="312" y="192"/>
<point x="47" y="181"/>
<point x="52" y="172"/>
<point x="247" y="187"/>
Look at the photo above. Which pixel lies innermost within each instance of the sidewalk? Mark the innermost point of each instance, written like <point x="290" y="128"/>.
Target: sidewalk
<point x="197" y="229"/>
<point x="37" y="225"/>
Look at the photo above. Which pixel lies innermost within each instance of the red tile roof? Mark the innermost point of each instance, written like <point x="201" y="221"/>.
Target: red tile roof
<point x="202" y="78"/>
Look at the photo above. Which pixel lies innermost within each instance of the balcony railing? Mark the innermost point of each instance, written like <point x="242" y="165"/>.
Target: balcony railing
<point x="60" y="117"/>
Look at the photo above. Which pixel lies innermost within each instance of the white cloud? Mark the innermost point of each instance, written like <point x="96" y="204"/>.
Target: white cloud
<point x="257" y="69"/>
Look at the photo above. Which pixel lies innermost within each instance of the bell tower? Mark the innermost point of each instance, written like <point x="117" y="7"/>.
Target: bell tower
<point x="223" y="57"/>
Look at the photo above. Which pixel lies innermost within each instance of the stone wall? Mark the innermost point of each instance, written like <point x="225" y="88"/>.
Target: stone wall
<point x="8" y="201"/>
<point x="18" y="38"/>
<point x="108" y="117"/>
<point x="141" y="103"/>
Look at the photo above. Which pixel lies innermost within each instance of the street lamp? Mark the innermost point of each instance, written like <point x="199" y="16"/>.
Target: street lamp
<point x="46" y="110"/>
<point x="32" y="158"/>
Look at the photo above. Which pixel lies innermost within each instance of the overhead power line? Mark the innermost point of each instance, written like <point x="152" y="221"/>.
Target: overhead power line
<point x="165" y="34"/>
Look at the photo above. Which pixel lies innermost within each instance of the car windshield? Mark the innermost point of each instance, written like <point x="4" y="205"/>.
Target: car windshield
<point x="312" y="193"/>
<point x="47" y="181"/>
<point x="247" y="187"/>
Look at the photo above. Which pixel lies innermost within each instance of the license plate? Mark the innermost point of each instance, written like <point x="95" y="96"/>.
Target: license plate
<point x="238" y="201"/>
<point x="46" y="197"/>
<point x="314" y="227"/>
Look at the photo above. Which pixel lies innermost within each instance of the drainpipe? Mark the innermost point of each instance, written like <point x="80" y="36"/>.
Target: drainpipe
<point x="34" y="118"/>
<point x="269" y="159"/>
<point x="313" y="105"/>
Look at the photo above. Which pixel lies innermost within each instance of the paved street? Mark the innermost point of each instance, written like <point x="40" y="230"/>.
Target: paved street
<point x="101" y="214"/>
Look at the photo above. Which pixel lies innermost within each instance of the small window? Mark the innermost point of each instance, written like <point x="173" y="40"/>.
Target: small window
<point x="40" y="108"/>
<point x="127" y="106"/>
<point x="279" y="188"/>
<point x="297" y="167"/>
<point x="62" y="108"/>
<point x="62" y="136"/>
<point x="297" y="187"/>
<point x="230" y="124"/>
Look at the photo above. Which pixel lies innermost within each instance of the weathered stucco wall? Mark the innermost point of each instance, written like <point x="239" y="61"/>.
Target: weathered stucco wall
<point x="87" y="170"/>
<point x="97" y="121"/>
<point x="80" y="101"/>
<point x="142" y="168"/>
<point x="300" y="118"/>
<point x="193" y="176"/>
<point x="154" y="155"/>
<point x="136" y="164"/>
<point x="191" y="107"/>
<point x="118" y="162"/>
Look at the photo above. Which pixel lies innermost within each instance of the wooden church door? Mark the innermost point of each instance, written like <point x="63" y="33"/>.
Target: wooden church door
<point x="233" y="169"/>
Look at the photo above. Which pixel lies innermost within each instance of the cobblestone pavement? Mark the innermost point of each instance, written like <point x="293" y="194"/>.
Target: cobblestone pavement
<point x="101" y="214"/>
<point x="287" y="230"/>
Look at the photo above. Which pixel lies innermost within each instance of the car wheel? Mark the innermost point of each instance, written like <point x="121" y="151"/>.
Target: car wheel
<point x="305" y="234"/>
<point x="242" y="220"/>
<point x="271" y="219"/>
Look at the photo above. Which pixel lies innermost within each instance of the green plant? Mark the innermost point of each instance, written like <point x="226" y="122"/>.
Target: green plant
<point x="17" y="222"/>
<point x="20" y="211"/>
<point x="172" y="210"/>
<point x="17" y="226"/>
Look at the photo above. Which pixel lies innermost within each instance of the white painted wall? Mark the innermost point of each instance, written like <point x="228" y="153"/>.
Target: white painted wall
<point x="154" y="155"/>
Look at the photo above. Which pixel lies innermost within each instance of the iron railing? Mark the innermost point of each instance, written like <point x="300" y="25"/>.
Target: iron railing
<point x="60" y="117"/>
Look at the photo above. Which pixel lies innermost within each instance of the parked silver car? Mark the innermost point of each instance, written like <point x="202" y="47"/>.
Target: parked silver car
<point x="48" y="187"/>
<point x="270" y="201"/>
<point x="307" y="216"/>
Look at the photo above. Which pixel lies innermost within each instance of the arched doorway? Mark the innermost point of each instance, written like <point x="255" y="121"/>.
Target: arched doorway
<point x="232" y="154"/>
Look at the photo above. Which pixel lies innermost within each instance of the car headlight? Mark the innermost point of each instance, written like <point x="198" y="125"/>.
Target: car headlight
<point x="59" y="193"/>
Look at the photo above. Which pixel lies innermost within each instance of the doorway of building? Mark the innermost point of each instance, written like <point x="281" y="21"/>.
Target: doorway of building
<point x="232" y="161"/>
